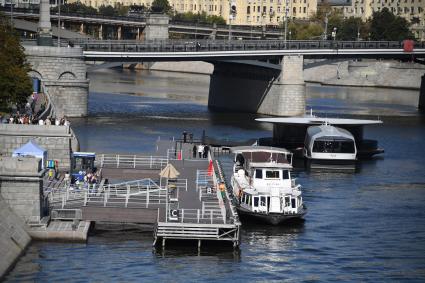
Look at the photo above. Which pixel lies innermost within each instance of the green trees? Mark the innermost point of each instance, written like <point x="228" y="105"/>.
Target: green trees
<point x="199" y="18"/>
<point x="160" y="6"/>
<point x="15" y="84"/>
<point x="384" y="25"/>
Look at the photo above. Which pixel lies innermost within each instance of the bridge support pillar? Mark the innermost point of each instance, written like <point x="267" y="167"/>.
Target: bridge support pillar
<point x="82" y="28"/>
<point x="258" y="88"/>
<point x="156" y="27"/>
<point x="62" y="72"/>
<point x="286" y="96"/>
<point x="421" y="104"/>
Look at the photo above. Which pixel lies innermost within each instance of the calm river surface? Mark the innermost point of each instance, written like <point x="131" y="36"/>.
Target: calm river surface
<point x="366" y="226"/>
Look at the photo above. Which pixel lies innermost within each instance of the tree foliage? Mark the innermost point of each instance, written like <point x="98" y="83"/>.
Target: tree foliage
<point x="107" y="10"/>
<point x="304" y="31"/>
<point x="160" y="6"/>
<point x="15" y="84"/>
<point x="76" y="7"/>
<point x="384" y="25"/>
<point x="199" y="18"/>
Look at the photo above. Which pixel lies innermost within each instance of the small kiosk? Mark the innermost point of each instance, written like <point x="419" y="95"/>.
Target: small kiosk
<point x="81" y="164"/>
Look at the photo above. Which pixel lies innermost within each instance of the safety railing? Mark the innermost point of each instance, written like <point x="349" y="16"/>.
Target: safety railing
<point x="131" y="161"/>
<point x="196" y="216"/>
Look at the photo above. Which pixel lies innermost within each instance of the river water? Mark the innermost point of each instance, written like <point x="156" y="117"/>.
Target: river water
<point x="363" y="226"/>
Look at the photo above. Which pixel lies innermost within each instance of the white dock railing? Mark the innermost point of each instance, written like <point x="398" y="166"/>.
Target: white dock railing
<point x="132" y="161"/>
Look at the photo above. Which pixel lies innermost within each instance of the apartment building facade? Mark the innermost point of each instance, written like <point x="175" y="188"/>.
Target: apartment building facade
<point x="248" y="12"/>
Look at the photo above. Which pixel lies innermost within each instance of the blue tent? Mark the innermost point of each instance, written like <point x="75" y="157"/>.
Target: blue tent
<point x="32" y="149"/>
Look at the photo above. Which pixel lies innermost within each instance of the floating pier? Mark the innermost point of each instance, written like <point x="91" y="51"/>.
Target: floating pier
<point x="187" y="207"/>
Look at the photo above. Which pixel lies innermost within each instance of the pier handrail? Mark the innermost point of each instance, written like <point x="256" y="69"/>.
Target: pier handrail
<point x="132" y="161"/>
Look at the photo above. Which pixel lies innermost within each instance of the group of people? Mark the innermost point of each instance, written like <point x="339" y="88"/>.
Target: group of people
<point x="201" y="150"/>
<point x="27" y="119"/>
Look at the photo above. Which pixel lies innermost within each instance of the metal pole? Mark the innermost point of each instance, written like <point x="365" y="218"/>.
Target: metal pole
<point x="325" y="34"/>
<point x="59" y="23"/>
<point x="230" y="27"/>
<point x="11" y="14"/>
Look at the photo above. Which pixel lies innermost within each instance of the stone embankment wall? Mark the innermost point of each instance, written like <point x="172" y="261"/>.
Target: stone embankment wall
<point x="13" y="237"/>
<point x="21" y="184"/>
<point x="369" y="73"/>
<point x="57" y="140"/>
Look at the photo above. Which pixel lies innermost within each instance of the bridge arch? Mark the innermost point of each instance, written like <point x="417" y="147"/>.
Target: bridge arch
<point x="67" y="75"/>
<point x="35" y="74"/>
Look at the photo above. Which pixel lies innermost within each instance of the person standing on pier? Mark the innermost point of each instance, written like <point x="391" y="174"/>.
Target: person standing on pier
<point x="200" y="150"/>
<point x="194" y="149"/>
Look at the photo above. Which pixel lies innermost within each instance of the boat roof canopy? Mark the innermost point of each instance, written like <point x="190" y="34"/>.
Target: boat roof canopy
<point x="322" y="131"/>
<point x="318" y="121"/>
<point x="269" y="149"/>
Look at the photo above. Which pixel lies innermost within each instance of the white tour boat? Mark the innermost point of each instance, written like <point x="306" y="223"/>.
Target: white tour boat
<point x="262" y="184"/>
<point x="326" y="146"/>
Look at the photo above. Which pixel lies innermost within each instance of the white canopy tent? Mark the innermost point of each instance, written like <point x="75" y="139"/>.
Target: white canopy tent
<point x="32" y="149"/>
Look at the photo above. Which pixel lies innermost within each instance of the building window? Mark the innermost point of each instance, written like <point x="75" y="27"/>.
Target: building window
<point x="294" y="11"/>
<point x="305" y="10"/>
<point x="264" y="9"/>
<point x="248" y="9"/>
<point x="278" y="9"/>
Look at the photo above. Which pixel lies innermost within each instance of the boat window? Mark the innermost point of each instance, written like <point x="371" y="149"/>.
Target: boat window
<point x="243" y="197"/>
<point x="272" y="174"/>
<point x="240" y="160"/>
<point x="285" y="174"/>
<point x="287" y="201"/>
<point x="258" y="174"/>
<point x="334" y="146"/>
<point x="255" y="201"/>
<point x="293" y="203"/>
<point x="262" y="201"/>
<point x="347" y="147"/>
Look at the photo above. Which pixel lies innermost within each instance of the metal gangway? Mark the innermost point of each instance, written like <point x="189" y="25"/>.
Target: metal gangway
<point x="143" y="193"/>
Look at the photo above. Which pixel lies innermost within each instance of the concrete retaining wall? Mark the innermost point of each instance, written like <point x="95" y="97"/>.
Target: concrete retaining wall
<point x="13" y="237"/>
<point x="370" y="73"/>
<point x="57" y="140"/>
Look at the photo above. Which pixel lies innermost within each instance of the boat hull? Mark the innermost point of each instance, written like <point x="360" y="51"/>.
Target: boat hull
<point x="330" y="164"/>
<point x="271" y="218"/>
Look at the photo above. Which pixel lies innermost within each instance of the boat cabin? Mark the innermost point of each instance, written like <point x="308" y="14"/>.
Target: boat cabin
<point x="329" y="142"/>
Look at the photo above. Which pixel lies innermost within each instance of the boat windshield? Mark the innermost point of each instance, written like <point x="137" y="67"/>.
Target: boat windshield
<point x="334" y="146"/>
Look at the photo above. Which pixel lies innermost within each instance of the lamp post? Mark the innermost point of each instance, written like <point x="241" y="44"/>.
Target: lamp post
<point x="325" y="34"/>
<point x="232" y="15"/>
<point x="59" y="23"/>
<point x="286" y="19"/>
<point x="11" y="14"/>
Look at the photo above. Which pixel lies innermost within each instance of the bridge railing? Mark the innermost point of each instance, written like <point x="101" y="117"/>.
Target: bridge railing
<point x="234" y="45"/>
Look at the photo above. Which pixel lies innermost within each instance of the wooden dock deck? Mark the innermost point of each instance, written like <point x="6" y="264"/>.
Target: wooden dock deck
<point x="187" y="208"/>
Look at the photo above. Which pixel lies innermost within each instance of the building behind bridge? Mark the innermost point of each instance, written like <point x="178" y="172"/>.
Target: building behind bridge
<point x="271" y="12"/>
